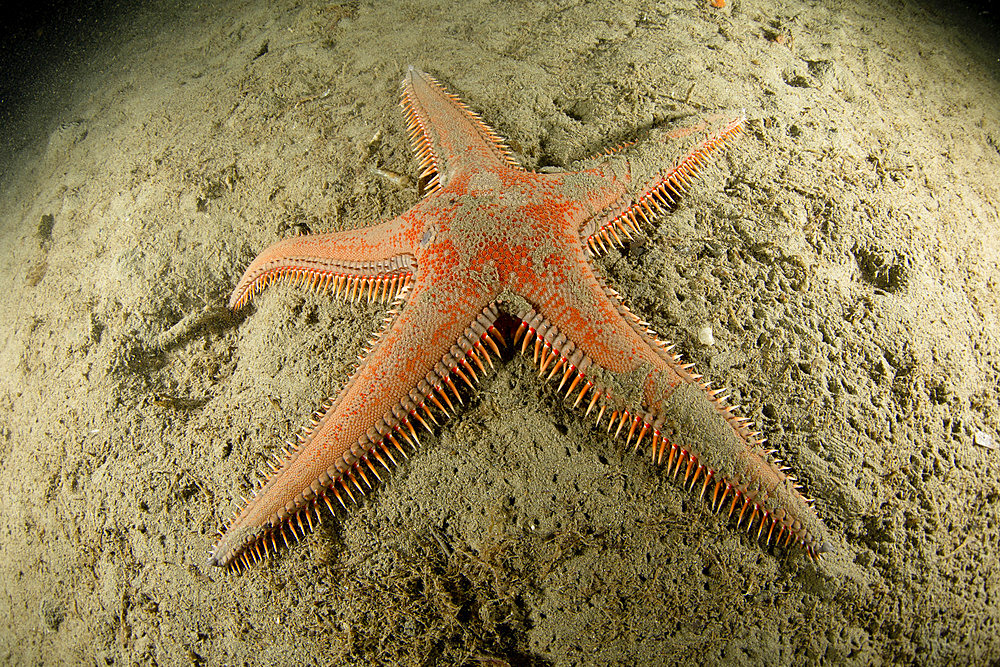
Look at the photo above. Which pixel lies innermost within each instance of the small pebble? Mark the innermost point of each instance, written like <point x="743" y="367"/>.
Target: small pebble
<point x="984" y="439"/>
<point x="705" y="336"/>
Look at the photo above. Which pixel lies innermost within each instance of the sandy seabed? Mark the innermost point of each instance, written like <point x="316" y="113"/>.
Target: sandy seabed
<point x="844" y="253"/>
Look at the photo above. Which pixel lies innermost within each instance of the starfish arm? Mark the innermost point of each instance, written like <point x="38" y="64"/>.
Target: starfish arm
<point x="652" y="191"/>
<point x="437" y="342"/>
<point x="376" y="261"/>
<point x="614" y="366"/>
<point x="447" y="136"/>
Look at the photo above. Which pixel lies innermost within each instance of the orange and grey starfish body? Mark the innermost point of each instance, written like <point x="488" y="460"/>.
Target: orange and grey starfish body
<point x="491" y="239"/>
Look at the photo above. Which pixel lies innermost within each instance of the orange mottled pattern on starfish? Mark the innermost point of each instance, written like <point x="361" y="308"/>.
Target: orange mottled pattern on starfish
<point x="488" y="241"/>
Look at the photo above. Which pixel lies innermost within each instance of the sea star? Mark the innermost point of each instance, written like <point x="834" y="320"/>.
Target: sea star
<point x="490" y="238"/>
